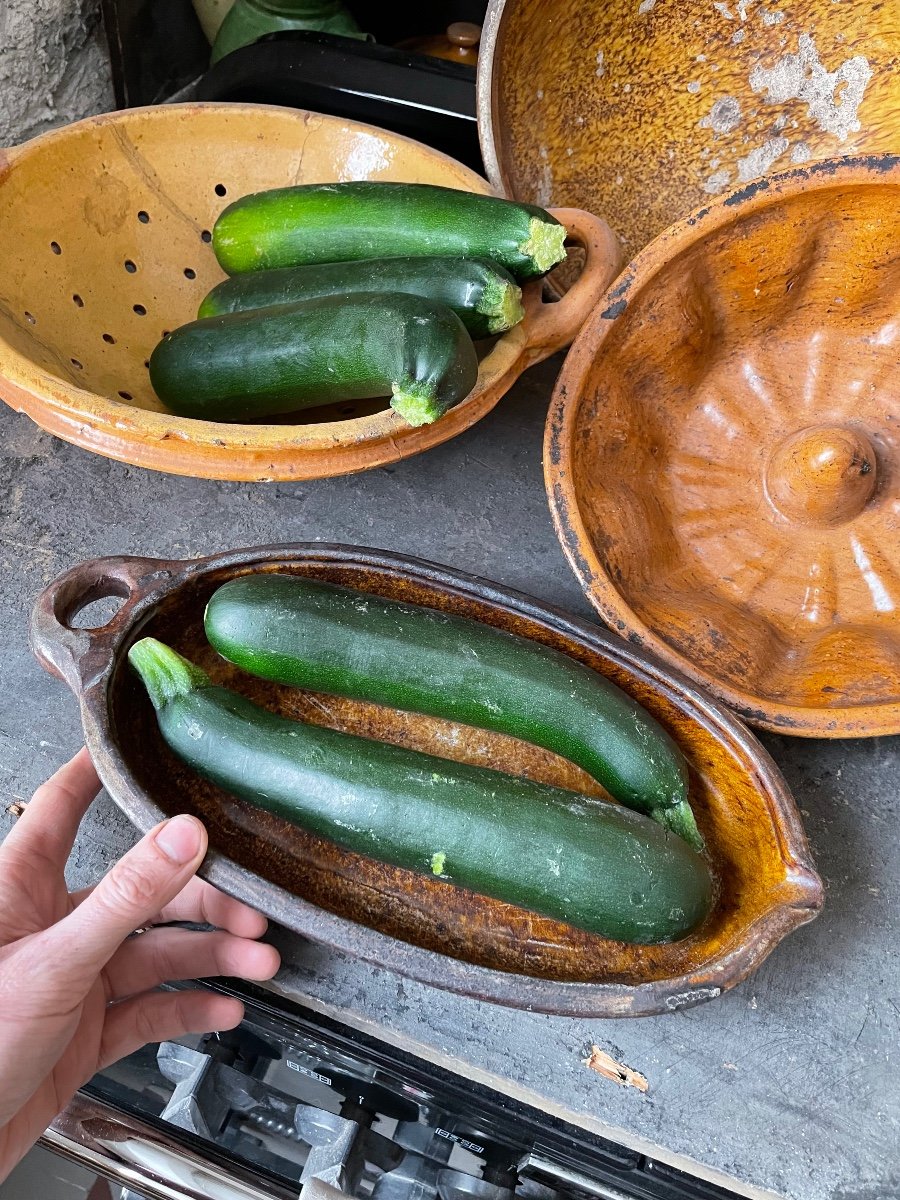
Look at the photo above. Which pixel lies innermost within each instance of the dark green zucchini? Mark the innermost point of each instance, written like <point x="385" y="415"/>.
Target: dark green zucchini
<point x="332" y="639"/>
<point x="590" y="863"/>
<point x="483" y="295"/>
<point x="336" y="222"/>
<point x="276" y="360"/>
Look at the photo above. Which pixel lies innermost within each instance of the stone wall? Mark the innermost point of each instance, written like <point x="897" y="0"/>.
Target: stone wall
<point x="53" y="65"/>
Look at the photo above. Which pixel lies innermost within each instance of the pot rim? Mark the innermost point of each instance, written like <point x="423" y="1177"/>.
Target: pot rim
<point x="863" y="720"/>
<point x="91" y="658"/>
<point x="484" y="96"/>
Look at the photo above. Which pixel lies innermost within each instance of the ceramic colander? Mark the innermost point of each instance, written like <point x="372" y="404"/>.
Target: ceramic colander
<point x="106" y="232"/>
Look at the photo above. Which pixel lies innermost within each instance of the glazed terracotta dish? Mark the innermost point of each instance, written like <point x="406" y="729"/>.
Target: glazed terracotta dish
<point x="418" y="925"/>
<point x="722" y="451"/>
<point x="106" y="247"/>
<point x="641" y="110"/>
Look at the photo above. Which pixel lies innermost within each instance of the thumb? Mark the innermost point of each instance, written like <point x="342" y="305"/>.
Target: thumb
<point x="141" y="883"/>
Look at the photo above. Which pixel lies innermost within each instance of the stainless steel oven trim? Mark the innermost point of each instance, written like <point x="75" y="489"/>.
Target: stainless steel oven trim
<point x="137" y="1155"/>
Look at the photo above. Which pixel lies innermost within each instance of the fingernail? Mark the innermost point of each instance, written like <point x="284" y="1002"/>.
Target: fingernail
<point x="179" y="840"/>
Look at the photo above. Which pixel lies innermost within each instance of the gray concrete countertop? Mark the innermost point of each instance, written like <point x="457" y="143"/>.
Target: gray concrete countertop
<point x="788" y="1086"/>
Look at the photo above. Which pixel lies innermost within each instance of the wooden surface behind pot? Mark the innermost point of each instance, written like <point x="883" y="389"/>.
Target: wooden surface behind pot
<point x="641" y="110"/>
<point x="107" y="226"/>
<point x="425" y="928"/>
<point x="722" y="451"/>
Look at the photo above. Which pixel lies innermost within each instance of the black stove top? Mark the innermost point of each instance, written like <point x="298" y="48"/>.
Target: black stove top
<point x="295" y="1098"/>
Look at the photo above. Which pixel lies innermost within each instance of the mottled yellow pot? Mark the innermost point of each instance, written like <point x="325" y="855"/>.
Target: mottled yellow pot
<point x="106" y="228"/>
<point x="641" y="110"/>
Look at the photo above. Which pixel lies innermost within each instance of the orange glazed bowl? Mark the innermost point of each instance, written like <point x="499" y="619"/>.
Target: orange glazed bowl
<point x="722" y="452"/>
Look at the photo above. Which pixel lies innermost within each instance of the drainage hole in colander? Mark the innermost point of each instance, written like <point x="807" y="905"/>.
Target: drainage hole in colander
<point x="147" y="363"/>
<point x="144" y="217"/>
<point x="56" y="248"/>
<point x="30" y="318"/>
<point x="139" y="309"/>
<point x="126" y="395"/>
<point x="76" y="364"/>
<point x="77" y="301"/>
<point x="130" y="267"/>
<point x="220" y="189"/>
<point x="166" y="332"/>
<point x="205" y="236"/>
<point x="109" y="339"/>
<point x="190" y="273"/>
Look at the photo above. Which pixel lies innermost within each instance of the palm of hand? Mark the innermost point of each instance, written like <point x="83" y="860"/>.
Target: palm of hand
<point x="76" y="990"/>
<point x="59" y="1036"/>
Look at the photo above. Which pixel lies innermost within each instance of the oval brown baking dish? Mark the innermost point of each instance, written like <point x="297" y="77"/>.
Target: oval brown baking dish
<point x="417" y="926"/>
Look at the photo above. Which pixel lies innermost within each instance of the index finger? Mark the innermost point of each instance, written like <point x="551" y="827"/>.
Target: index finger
<point x="46" y="830"/>
<point x="199" y="901"/>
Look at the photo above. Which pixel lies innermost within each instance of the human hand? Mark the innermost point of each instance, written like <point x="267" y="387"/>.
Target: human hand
<point x="76" y="990"/>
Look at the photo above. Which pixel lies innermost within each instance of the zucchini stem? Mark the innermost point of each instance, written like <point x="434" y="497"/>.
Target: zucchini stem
<point x="679" y="819"/>
<point x="545" y="244"/>
<point x="501" y="303"/>
<point x="415" y="408"/>
<point x="164" y="673"/>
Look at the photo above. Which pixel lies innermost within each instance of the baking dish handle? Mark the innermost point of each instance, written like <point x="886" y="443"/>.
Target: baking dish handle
<point x="73" y="654"/>
<point x="553" y="326"/>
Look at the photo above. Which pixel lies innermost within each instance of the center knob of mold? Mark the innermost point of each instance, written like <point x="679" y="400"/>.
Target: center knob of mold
<point x="824" y="475"/>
